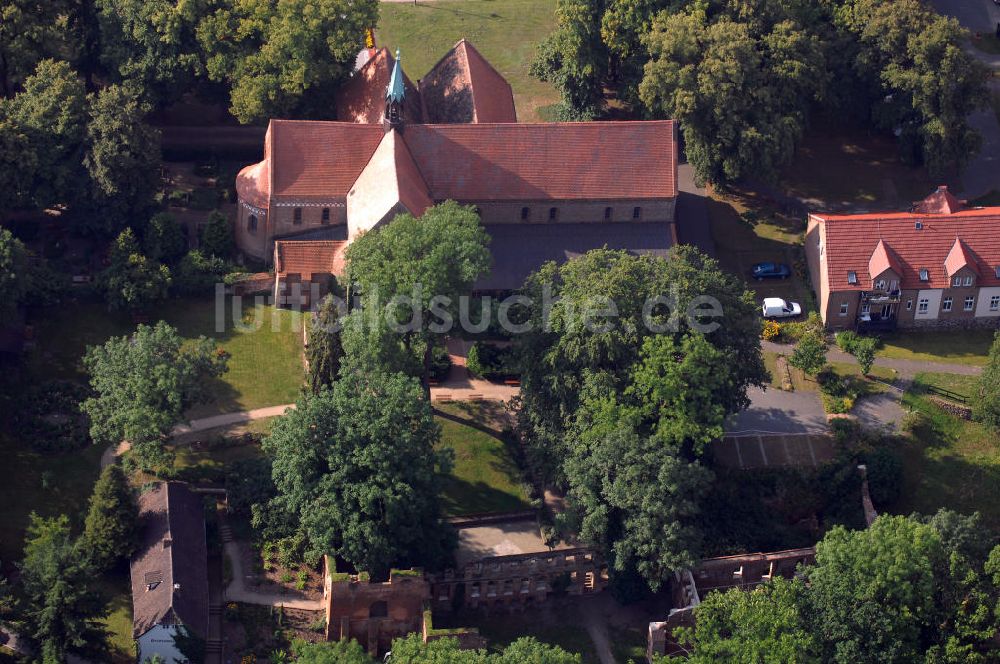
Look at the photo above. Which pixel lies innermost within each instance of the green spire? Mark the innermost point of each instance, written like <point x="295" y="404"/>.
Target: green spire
<point x="396" y="90"/>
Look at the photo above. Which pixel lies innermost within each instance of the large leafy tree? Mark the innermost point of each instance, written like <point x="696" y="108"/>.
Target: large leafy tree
<point x="51" y="112"/>
<point x="574" y="59"/>
<point x="768" y="625"/>
<point x="284" y="58"/>
<point x="741" y="89"/>
<point x="433" y="260"/>
<point x="163" y="239"/>
<point x="56" y="607"/>
<point x="14" y="277"/>
<point x="986" y="398"/>
<point x="413" y="650"/>
<point x="111" y="527"/>
<point x="131" y="280"/>
<point x="152" y="43"/>
<point x="356" y="471"/>
<point x="144" y="382"/>
<point x="29" y="32"/>
<point x="122" y="155"/>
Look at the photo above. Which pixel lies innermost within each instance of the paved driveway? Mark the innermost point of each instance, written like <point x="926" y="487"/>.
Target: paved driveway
<point x="976" y="15"/>
<point x="775" y="411"/>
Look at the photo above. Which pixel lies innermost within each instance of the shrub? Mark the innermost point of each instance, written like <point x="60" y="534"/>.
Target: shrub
<point x="845" y="431"/>
<point x="440" y="364"/>
<point x="489" y="361"/>
<point x="885" y="475"/>
<point x="771" y="330"/>
<point x="864" y="351"/>
<point x="198" y="273"/>
<point x="847" y="341"/>
<point x="49" y="416"/>
<point x="217" y="238"/>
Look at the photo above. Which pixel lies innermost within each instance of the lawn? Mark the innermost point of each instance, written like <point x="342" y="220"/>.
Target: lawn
<point x="206" y="461"/>
<point x="486" y="477"/>
<point x="959" y="347"/>
<point x="950" y="463"/>
<point x="49" y="484"/>
<point x="506" y="32"/>
<point x="265" y="367"/>
<point x="959" y="384"/>
<point x="558" y="625"/>
<point x="117" y="589"/>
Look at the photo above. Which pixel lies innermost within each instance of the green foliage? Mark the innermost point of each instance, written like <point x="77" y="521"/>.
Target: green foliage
<point x="163" y="239"/>
<point x="48" y="416"/>
<point x="768" y="625"/>
<point x="133" y="281"/>
<point x="864" y="351"/>
<point x="55" y="607"/>
<point x="412" y="650"/>
<point x="217" y="236"/>
<point x="356" y="472"/>
<point x="248" y="482"/>
<point x="434" y="260"/>
<point x="284" y="58"/>
<point x="885" y="476"/>
<point x="325" y="349"/>
<point x="197" y="274"/>
<point x="14" y="275"/>
<point x="620" y="414"/>
<point x="809" y="355"/>
<point x="122" y="155"/>
<point x="339" y="652"/>
<point x="740" y="86"/>
<point x="986" y="398"/>
<point x="847" y="341"/>
<point x="490" y="361"/>
<point x="29" y="32"/>
<point x="111" y="527"/>
<point x="143" y="383"/>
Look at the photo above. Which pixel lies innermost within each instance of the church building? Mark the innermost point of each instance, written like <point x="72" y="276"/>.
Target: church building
<point x="544" y="191"/>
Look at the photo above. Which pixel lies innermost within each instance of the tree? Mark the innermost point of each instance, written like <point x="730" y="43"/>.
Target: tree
<point x="197" y="274"/>
<point x="284" y="58"/>
<point x="740" y="89"/>
<point x="164" y="239"/>
<point x="768" y="624"/>
<point x="111" y="526"/>
<point x="29" y="32"/>
<point x="18" y="164"/>
<point x="14" y="282"/>
<point x="338" y="652"/>
<point x="526" y="650"/>
<point x="986" y="396"/>
<point x="864" y="351"/>
<point x="809" y="355"/>
<point x="144" y="382"/>
<point x="217" y="237"/>
<point x="433" y="260"/>
<point x="325" y="349"/>
<point x="132" y="281"/>
<point x="574" y="59"/>
<point x="356" y="469"/>
<point x="55" y="607"/>
<point x="152" y="44"/>
<point x="122" y="156"/>
<point x="51" y="112"/>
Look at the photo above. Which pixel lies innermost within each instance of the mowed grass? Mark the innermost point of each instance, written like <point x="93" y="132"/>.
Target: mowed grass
<point x="959" y="384"/>
<point x="485" y="477"/>
<point x="506" y="32"/>
<point x="950" y="463"/>
<point x="49" y="484"/>
<point x="264" y="343"/>
<point x="954" y="347"/>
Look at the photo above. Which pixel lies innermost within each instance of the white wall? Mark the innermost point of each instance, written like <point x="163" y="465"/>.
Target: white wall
<point x="933" y="297"/>
<point x="983" y="304"/>
<point x="160" y="641"/>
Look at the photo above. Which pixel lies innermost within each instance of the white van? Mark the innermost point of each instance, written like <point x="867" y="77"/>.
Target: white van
<point x="775" y="307"/>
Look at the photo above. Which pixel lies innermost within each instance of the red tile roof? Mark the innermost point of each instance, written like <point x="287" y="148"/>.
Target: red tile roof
<point x="362" y="98"/>
<point x="464" y="87"/>
<point x="941" y="201"/>
<point x="309" y="257"/>
<point x="882" y="259"/>
<point x="960" y="257"/>
<point x="917" y="241"/>
<point x="483" y="162"/>
<point x="412" y="188"/>
<point x="253" y="184"/>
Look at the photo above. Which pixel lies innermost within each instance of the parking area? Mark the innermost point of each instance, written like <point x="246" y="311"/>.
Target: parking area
<point x="794" y="288"/>
<point x="783" y="450"/>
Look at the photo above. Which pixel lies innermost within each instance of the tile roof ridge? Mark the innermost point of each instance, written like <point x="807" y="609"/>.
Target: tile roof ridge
<point x="170" y="549"/>
<point x="401" y="139"/>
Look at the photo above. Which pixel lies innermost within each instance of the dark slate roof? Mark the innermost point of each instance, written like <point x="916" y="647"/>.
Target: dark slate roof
<point x="520" y="249"/>
<point x="170" y="569"/>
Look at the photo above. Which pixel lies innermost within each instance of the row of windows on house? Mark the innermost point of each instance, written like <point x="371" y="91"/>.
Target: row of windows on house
<point x="923" y="305"/>
<point x="925" y="275"/>
<point x="525" y="216"/>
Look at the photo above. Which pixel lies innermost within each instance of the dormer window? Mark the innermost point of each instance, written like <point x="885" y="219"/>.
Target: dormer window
<point x="918" y="225"/>
<point x="956" y="282"/>
<point x="852" y="277"/>
<point x="880" y="284"/>
<point x="925" y="274"/>
<point x="967" y="281"/>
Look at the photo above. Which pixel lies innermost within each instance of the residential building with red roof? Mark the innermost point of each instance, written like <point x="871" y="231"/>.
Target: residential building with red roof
<point x="543" y="191"/>
<point x="937" y="265"/>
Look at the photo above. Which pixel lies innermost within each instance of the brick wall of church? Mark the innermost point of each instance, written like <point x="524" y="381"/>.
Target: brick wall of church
<point x="493" y="212"/>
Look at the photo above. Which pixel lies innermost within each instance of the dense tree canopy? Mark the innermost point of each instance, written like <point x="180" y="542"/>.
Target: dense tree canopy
<point x="433" y="261"/>
<point x="986" y="398"/>
<point x="14" y="282"/>
<point x="111" y="527"/>
<point x="356" y="471"/>
<point x="618" y="408"/>
<point x="325" y="347"/>
<point x="55" y="607"/>
<point x="132" y="281"/>
<point x="144" y="382"/>
<point x="284" y="58"/>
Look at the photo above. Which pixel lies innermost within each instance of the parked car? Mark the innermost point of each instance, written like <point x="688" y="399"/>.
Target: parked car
<point x="771" y="271"/>
<point x="775" y="307"/>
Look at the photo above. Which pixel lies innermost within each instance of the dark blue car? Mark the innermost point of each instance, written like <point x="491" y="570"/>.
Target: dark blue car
<point x="771" y="271"/>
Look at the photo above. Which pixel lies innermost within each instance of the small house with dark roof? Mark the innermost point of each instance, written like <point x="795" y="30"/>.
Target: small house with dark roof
<point x="544" y="191"/>
<point x="170" y="575"/>
<point x="934" y="265"/>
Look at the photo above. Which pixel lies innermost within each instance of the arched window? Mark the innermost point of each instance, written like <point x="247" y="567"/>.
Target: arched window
<point x="326" y="215"/>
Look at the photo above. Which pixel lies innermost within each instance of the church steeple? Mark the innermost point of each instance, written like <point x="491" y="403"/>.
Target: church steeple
<point x="395" y="95"/>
